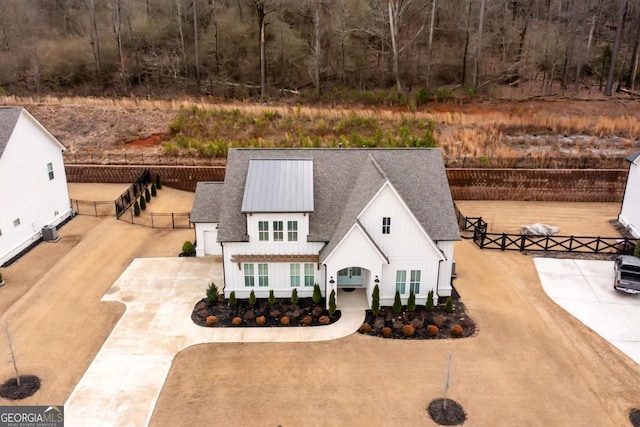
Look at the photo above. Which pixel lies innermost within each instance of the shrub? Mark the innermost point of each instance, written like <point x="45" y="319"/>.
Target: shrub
<point x="285" y="320"/>
<point x="211" y="320"/>
<point x="236" y="321"/>
<point x="143" y="204"/>
<point x="332" y="302"/>
<point x="317" y="311"/>
<point x="365" y="328"/>
<point x="187" y="248"/>
<point x="0" y="277"/>
<point x="456" y="331"/>
<point x="636" y="250"/>
<point x="294" y="297"/>
<point x="252" y="298"/>
<point x="411" y="302"/>
<point x="408" y="330"/>
<point x="212" y="293"/>
<point x="204" y="313"/>
<point x="429" y="304"/>
<point x="154" y="192"/>
<point x="272" y="297"/>
<point x="439" y="320"/>
<point x="158" y="182"/>
<point x="386" y="331"/>
<point x="317" y="295"/>
<point x="232" y="299"/>
<point x="147" y="195"/>
<point x="397" y="303"/>
<point x="261" y="320"/>
<point x="324" y="320"/>
<point x="375" y="300"/>
<point x="449" y="305"/>
<point x="307" y="320"/>
<point x="136" y="208"/>
<point x="432" y="330"/>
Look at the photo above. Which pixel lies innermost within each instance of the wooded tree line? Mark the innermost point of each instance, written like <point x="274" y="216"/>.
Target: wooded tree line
<point x="265" y="47"/>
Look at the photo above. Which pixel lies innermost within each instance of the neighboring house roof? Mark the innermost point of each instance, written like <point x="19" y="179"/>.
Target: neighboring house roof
<point x="345" y="180"/>
<point x="8" y="119"/>
<point x="206" y="203"/>
<point x="279" y="185"/>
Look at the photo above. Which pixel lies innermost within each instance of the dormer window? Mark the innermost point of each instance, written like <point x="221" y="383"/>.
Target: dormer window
<point x="386" y="225"/>
<point x="263" y="231"/>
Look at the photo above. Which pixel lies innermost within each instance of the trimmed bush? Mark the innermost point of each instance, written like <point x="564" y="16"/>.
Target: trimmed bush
<point x="158" y="182"/>
<point x="143" y="204"/>
<point x="147" y="195"/>
<point x="212" y="293"/>
<point x="411" y="302"/>
<point x="307" y="320"/>
<point x="324" y="320"/>
<point x="386" y="331"/>
<point x="154" y="192"/>
<point x="375" y="300"/>
<point x="187" y="248"/>
<point x="236" y="321"/>
<point x="332" y="302"/>
<point x="365" y="328"/>
<point x="317" y="294"/>
<point x="456" y="331"/>
<point x="397" y="303"/>
<point x="136" y="208"/>
<point x="317" y="311"/>
<point x="429" y="305"/>
<point x="211" y="320"/>
<point x="261" y="320"/>
<point x="285" y="320"/>
<point x="252" y="298"/>
<point x="232" y="299"/>
<point x="272" y="297"/>
<point x="448" y="307"/>
<point x="408" y="330"/>
<point x="432" y="330"/>
<point x="439" y="320"/>
<point x="294" y="297"/>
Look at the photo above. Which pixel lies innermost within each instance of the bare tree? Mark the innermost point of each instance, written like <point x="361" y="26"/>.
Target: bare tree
<point x="317" y="51"/>
<point x="476" y="69"/>
<point x="430" y="45"/>
<point x="118" y="34"/>
<point x="12" y="353"/>
<point x="95" y="40"/>
<point x="195" y="42"/>
<point x="622" y="8"/>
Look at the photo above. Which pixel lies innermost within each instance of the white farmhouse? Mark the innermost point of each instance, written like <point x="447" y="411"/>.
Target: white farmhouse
<point x="33" y="183"/>
<point x="342" y="218"/>
<point x="629" y="215"/>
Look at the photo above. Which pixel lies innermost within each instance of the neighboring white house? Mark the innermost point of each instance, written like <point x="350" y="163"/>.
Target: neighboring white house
<point x="630" y="212"/>
<point x="342" y="218"/>
<point x="33" y="183"/>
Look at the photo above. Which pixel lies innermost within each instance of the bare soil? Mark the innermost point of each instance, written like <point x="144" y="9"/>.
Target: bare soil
<point x="29" y="385"/>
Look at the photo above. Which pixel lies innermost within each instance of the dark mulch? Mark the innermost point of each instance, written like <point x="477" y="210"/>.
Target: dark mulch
<point x="393" y="324"/>
<point x="446" y="412"/>
<point x="634" y="417"/>
<point x="29" y="384"/>
<point x="273" y="314"/>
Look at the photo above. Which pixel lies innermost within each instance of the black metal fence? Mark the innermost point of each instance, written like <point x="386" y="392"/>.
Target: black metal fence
<point x="127" y="198"/>
<point x="158" y="220"/>
<point x="100" y="208"/>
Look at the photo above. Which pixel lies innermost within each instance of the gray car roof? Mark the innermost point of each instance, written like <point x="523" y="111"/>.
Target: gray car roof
<point x="8" y="119"/>
<point x="345" y="180"/>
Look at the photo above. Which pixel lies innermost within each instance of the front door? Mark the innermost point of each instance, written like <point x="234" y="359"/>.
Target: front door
<point x="350" y="277"/>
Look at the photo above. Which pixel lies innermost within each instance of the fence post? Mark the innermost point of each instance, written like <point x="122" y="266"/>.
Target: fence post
<point x="571" y="244"/>
<point x="597" y="244"/>
<point x="504" y="242"/>
<point x="151" y="214"/>
<point x="95" y="208"/>
<point x="523" y="239"/>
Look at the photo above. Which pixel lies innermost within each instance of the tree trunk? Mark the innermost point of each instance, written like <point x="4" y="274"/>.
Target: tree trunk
<point x="476" y="67"/>
<point x="583" y="29"/>
<point x="263" y="54"/>
<point x="195" y="41"/>
<point x="181" y="31"/>
<point x="393" y="28"/>
<point x="466" y="47"/>
<point x="317" y="49"/>
<point x="430" y="45"/>
<point x="569" y="52"/>
<point x="96" y="42"/>
<point x="634" y="57"/>
<point x="117" y="30"/>
<point x="622" y="6"/>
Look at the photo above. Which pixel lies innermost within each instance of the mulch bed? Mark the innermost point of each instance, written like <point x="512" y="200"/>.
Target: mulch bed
<point x="305" y="313"/>
<point x="634" y="417"/>
<point x="446" y="412"/>
<point x="29" y="384"/>
<point x="388" y="324"/>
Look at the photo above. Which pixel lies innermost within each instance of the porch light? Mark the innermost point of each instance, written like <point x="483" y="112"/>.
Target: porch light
<point x="376" y="281"/>
<point x="331" y="281"/>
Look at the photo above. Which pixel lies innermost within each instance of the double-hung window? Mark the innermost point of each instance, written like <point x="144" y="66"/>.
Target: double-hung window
<point x="263" y="275"/>
<point x="263" y="231"/>
<point x="278" y="232"/>
<point x="294" y="270"/>
<point x="292" y="231"/>
<point x="309" y="276"/>
<point x="249" y="280"/>
<point x="414" y="283"/>
<point x="50" y="170"/>
<point x="386" y="225"/>
<point x="401" y="281"/>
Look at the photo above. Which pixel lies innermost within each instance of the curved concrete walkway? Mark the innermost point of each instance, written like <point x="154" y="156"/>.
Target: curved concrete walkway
<point x="123" y="383"/>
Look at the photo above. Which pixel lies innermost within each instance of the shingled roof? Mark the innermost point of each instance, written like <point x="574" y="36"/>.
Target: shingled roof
<point x="8" y="119"/>
<point x="206" y="203"/>
<point x="344" y="181"/>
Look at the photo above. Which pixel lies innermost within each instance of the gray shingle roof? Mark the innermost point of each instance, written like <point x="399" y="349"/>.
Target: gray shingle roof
<point x="206" y="203"/>
<point x="8" y="118"/>
<point x="344" y="181"/>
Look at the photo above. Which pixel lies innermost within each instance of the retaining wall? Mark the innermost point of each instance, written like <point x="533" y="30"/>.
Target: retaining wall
<point x="572" y="185"/>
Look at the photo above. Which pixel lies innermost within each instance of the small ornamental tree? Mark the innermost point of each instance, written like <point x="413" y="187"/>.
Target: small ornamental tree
<point x="143" y="204"/>
<point x="294" y="297"/>
<point x="187" y="248"/>
<point x="317" y="295"/>
<point x="397" y="303"/>
<point x="158" y="182"/>
<point x="252" y="298"/>
<point x="232" y="299"/>
<point x="147" y="195"/>
<point x="375" y="300"/>
<point x="272" y="297"/>
<point x="411" y="302"/>
<point x="429" y="305"/>
<point x="136" y="208"/>
<point x="449" y="305"/>
<point x="212" y="293"/>
<point x="332" y="302"/>
<point x="154" y="192"/>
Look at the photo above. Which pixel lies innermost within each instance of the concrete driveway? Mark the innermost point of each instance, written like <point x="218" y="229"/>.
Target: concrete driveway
<point x="584" y="288"/>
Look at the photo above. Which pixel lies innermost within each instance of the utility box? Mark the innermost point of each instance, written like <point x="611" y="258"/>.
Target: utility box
<point x="49" y="233"/>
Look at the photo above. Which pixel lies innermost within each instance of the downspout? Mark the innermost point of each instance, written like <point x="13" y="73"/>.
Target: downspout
<point x="224" y="277"/>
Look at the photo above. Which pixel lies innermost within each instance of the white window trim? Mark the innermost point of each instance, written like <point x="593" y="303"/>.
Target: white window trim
<point x="262" y="276"/>
<point x="265" y="231"/>
<point x="386" y="225"/>
<point x="402" y="283"/>
<point x="413" y="283"/>
<point x="290" y="231"/>
<point x="50" y="171"/>
<point x="279" y="231"/>
<point x="312" y="275"/>
<point x="294" y="273"/>
<point x="246" y="267"/>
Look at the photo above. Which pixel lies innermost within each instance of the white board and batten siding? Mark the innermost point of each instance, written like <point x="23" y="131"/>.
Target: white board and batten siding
<point x="30" y="198"/>
<point x="207" y="238"/>
<point x="630" y="212"/>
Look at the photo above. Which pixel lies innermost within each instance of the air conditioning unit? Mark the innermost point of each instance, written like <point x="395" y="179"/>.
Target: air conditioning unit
<point x="49" y="233"/>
